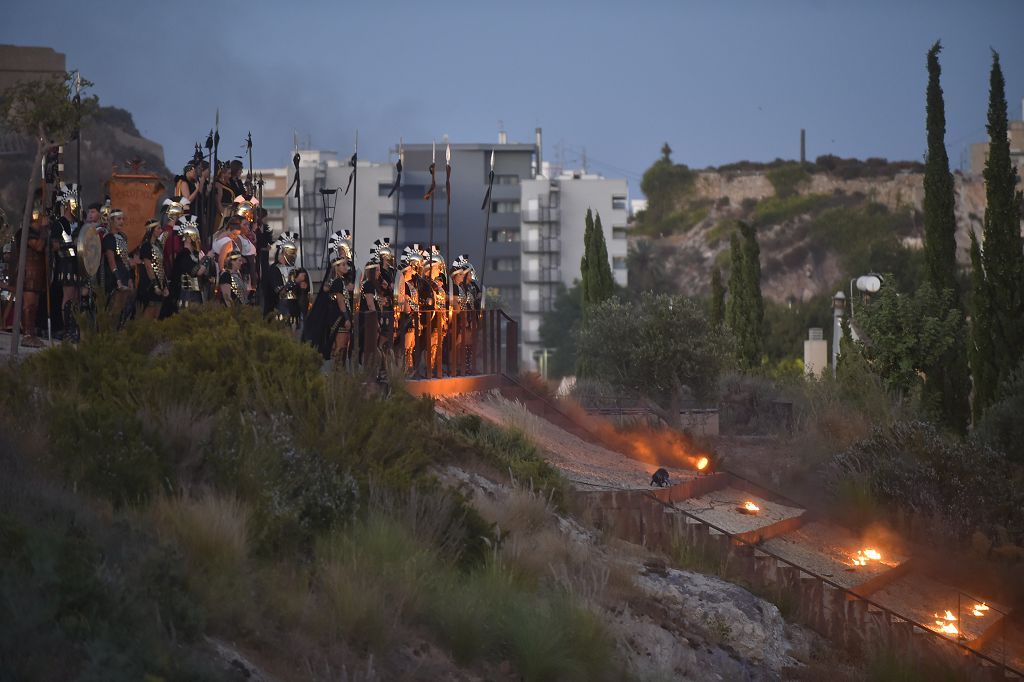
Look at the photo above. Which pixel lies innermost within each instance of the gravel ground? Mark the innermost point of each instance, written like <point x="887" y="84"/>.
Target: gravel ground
<point x="826" y="549"/>
<point x="585" y="464"/>
<point x="720" y="509"/>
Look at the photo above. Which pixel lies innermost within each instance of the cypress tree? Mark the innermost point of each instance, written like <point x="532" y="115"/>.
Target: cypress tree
<point x="602" y="283"/>
<point x="947" y="387"/>
<point x="717" y="298"/>
<point x="755" y="302"/>
<point x="734" y="306"/>
<point x="745" y="309"/>
<point x="999" y="281"/>
<point x="585" y="261"/>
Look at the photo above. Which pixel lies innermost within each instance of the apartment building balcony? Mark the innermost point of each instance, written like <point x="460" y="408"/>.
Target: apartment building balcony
<point x="543" y="214"/>
<point x="538" y="305"/>
<point x="542" y="275"/>
<point x="551" y="245"/>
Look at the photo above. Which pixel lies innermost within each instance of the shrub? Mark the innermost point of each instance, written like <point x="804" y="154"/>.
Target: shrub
<point x="945" y="488"/>
<point x="787" y="178"/>
<point x="778" y="209"/>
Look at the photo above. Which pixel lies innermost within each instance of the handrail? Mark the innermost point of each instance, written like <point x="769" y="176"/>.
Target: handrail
<point x="831" y="583"/>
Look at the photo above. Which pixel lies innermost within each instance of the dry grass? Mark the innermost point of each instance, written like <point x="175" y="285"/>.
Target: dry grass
<point x="212" y="532"/>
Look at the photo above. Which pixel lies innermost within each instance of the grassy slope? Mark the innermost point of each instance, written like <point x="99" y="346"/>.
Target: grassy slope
<point x="286" y="511"/>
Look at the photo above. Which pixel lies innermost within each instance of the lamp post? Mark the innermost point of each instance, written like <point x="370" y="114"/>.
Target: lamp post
<point x="838" y="307"/>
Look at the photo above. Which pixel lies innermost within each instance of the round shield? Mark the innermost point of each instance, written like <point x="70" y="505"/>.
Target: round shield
<point x="89" y="250"/>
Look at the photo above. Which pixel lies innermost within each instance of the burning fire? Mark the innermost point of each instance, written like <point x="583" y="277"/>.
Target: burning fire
<point x="702" y="463"/>
<point x="751" y="507"/>
<point x="863" y="556"/>
<point x="944" y="623"/>
<point x="979" y="610"/>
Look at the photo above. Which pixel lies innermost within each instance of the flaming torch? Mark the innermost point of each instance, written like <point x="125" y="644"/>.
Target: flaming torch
<point x="702" y="463"/>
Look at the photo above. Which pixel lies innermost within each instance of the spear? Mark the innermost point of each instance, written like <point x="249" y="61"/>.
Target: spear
<point x="487" y="231"/>
<point x="397" y="187"/>
<point x="430" y="193"/>
<point x="448" y="213"/>
<point x="214" y="192"/>
<point x="249" y="178"/>
<point x="353" y="182"/>
<point x="298" y="195"/>
<point x="78" y="134"/>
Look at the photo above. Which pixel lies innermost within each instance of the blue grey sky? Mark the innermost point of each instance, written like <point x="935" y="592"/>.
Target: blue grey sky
<point x="720" y="81"/>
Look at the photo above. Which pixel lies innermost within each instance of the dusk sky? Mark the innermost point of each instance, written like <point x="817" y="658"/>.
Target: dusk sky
<point x="720" y="81"/>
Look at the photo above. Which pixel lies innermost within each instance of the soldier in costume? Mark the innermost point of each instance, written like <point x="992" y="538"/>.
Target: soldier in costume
<point x="191" y="264"/>
<point x="153" y="289"/>
<point x="461" y="305"/>
<point x="117" y="277"/>
<point x="407" y="306"/>
<point x="35" y="276"/>
<point x="321" y="318"/>
<point x="473" y="300"/>
<point x="66" y="269"/>
<point x="439" y="312"/>
<point x="189" y="185"/>
<point x="340" y="315"/>
<point x="230" y="285"/>
<point x="282" y="284"/>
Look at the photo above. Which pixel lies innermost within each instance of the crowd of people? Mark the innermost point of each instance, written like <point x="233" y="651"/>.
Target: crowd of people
<point x="411" y="305"/>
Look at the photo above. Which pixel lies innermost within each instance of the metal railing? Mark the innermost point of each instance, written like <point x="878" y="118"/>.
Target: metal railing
<point x="434" y="344"/>
<point x="542" y="275"/>
<point x="542" y="245"/>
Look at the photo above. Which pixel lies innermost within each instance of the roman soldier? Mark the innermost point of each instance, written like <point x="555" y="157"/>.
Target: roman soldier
<point x="153" y="289"/>
<point x="337" y="281"/>
<point x="281" y="280"/>
<point x="340" y="315"/>
<point x="35" y="276"/>
<point x="117" y="276"/>
<point x="439" y="313"/>
<point x="407" y="305"/>
<point x="461" y="307"/>
<point x="472" y="306"/>
<point x="66" y="268"/>
<point x="190" y="265"/>
<point x="230" y="284"/>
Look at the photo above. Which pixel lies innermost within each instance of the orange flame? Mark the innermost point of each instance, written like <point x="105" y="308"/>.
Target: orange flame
<point x="751" y="507"/>
<point x="944" y="623"/>
<point x="979" y="610"/>
<point x="702" y="463"/>
<point x="863" y="556"/>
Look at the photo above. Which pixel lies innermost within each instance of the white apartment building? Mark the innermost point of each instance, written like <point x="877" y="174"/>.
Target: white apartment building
<point x="553" y="224"/>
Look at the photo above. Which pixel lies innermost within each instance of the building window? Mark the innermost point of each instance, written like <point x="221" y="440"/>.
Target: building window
<point x="505" y="264"/>
<point x="619" y="262"/>
<point x="506" y="179"/>
<point x="505" y="236"/>
<point x="386" y="220"/>
<point x="510" y="295"/>
<point x="505" y="207"/>
<point x="619" y="233"/>
<point x="383" y="188"/>
<point x="619" y="202"/>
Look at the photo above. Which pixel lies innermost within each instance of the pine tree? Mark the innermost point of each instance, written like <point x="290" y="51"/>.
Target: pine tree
<point x="602" y="283"/>
<point x="947" y="387"/>
<point x="717" y="298"/>
<point x="998" y="327"/>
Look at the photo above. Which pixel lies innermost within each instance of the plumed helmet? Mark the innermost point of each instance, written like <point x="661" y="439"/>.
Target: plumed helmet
<point x="175" y="208"/>
<point x="188" y="229"/>
<point x="105" y="209"/>
<point x="461" y="264"/>
<point x="287" y="244"/>
<point x="412" y="257"/>
<point x="246" y="208"/>
<point x="67" y="196"/>
<point x="340" y="245"/>
<point x="385" y="253"/>
<point x="436" y="258"/>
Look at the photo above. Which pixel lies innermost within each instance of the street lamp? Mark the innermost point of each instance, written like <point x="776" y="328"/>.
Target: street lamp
<point x="868" y="284"/>
<point x="838" y="307"/>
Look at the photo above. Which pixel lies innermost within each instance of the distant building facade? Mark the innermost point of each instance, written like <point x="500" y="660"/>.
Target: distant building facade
<point x="534" y="237"/>
<point x="1015" y="133"/>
